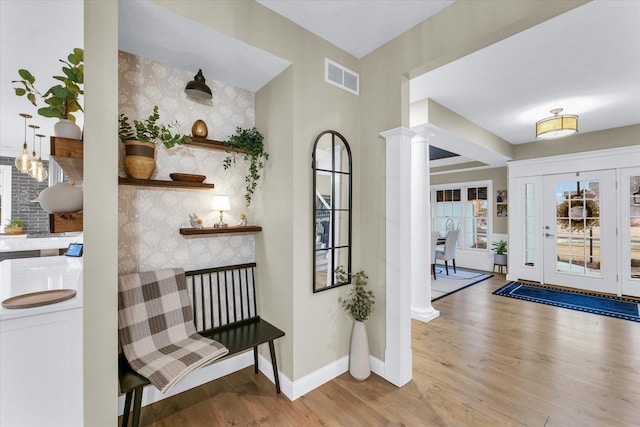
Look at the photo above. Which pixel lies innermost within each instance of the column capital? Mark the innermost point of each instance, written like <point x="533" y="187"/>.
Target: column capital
<point x="399" y="132"/>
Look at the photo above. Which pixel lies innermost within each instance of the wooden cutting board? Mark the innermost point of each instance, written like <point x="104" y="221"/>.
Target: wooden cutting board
<point x="37" y="299"/>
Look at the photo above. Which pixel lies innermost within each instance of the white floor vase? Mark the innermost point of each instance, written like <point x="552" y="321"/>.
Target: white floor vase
<point x="359" y="364"/>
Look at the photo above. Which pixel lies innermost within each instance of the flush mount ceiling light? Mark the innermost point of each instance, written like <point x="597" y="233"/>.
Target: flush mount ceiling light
<point x="557" y="126"/>
<point x="197" y="87"/>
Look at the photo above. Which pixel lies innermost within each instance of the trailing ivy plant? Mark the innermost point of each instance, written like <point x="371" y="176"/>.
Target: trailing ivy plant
<point x="248" y="142"/>
<point x="149" y="131"/>
<point x="359" y="302"/>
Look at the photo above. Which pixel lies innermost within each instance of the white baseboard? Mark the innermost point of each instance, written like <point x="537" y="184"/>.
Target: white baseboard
<point x="292" y="390"/>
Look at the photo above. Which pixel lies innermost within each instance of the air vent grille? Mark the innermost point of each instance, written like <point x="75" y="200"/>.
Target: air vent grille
<point x="341" y="76"/>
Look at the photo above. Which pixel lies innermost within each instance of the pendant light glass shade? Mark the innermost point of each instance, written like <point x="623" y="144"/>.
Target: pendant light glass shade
<point x="22" y="161"/>
<point x="197" y="87"/>
<point x="557" y="126"/>
<point x="33" y="160"/>
<point x="40" y="173"/>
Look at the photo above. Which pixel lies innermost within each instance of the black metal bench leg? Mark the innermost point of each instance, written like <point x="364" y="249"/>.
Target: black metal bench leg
<point x="454" y="265"/>
<point x="127" y="408"/>
<point x="272" y="350"/>
<point x="255" y="359"/>
<point x="446" y="266"/>
<point x="137" y="402"/>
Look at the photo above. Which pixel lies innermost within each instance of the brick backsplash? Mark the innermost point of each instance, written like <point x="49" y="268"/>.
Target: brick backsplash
<point x="23" y="190"/>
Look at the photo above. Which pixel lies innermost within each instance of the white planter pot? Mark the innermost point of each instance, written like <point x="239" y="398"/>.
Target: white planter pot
<point x="359" y="364"/>
<point x="67" y="129"/>
<point x="62" y="197"/>
<point x="500" y="259"/>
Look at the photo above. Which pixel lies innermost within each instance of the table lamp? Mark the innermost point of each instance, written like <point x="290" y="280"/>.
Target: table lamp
<point x="221" y="203"/>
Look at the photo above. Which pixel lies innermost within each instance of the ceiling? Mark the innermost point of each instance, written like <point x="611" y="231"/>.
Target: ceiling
<point x="586" y="61"/>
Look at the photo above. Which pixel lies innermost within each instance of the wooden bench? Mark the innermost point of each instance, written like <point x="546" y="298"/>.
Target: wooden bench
<point x="225" y="310"/>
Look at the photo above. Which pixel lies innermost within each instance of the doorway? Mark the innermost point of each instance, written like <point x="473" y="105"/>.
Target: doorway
<point x="579" y="220"/>
<point x="630" y="230"/>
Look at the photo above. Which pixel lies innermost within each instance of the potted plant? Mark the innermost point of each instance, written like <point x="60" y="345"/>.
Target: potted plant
<point x="359" y="304"/>
<point x="14" y="226"/>
<point x="500" y="249"/>
<point x="140" y="142"/>
<point x="62" y="99"/>
<point x="250" y="143"/>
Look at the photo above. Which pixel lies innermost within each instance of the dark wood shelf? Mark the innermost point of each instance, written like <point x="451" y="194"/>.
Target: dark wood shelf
<point x="211" y="144"/>
<point x="166" y="184"/>
<point x="227" y="230"/>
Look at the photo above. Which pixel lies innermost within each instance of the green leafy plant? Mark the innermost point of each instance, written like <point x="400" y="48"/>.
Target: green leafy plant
<point x="250" y="143"/>
<point x="359" y="302"/>
<point x="61" y="99"/>
<point x="499" y="247"/>
<point x="149" y="130"/>
<point x="15" y="222"/>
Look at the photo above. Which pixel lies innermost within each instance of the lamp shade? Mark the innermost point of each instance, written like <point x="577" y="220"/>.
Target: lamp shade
<point x="221" y="203"/>
<point x="557" y="126"/>
<point x="197" y="87"/>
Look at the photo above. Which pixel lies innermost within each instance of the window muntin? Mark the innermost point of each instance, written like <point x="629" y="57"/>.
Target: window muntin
<point x="466" y="208"/>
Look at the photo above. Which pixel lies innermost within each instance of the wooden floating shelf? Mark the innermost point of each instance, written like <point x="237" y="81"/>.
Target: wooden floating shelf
<point x="68" y="154"/>
<point x="211" y="144"/>
<point x="65" y="222"/>
<point x="160" y="183"/>
<point x="227" y="230"/>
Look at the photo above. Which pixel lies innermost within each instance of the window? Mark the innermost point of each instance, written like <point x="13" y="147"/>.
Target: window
<point x="463" y="207"/>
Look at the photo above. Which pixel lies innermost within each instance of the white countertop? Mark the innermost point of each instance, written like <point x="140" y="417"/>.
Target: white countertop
<point x="26" y="275"/>
<point x="22" y="243"/>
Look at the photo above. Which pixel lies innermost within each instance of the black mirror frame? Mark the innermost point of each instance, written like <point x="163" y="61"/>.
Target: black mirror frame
<point x="333" y="210"/>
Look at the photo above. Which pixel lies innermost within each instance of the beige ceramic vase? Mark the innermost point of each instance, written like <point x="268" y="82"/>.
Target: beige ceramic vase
<point x="139" y="159"/>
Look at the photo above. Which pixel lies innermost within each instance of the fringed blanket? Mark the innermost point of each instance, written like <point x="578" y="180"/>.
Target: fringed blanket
<point x="157" y="334"/>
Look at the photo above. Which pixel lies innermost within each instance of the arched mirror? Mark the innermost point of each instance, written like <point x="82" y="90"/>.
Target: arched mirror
<point x="331" y="209"/>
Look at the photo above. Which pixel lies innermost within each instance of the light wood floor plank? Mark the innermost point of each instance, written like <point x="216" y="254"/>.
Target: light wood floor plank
<point x="486" y="361"/>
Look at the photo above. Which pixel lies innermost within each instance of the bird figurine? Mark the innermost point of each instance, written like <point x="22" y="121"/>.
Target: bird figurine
<point x="195" y="221"/>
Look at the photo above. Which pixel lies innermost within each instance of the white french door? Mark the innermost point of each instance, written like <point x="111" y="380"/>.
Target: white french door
<point x="579" y="220"/>
<point x="630" y="230"/>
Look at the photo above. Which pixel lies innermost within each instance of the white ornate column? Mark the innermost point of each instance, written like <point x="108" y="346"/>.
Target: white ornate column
<point x="397" y="355"/>
<point x="420" y="237"/>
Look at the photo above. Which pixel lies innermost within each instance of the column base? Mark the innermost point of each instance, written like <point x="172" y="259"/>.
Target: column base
<point x="425" y="315"/>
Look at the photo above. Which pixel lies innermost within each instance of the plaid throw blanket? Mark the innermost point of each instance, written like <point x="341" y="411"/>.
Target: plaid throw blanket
<point x="157" y="334"/>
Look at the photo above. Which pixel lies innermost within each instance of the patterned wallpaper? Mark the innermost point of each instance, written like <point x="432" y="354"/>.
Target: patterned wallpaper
<point x="149" y="218"/>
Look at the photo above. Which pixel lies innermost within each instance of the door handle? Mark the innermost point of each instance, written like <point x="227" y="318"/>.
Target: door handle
<point x="549" y="235"/>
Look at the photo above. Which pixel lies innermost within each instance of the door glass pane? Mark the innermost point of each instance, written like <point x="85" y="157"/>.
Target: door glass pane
<point x="578" y="228"/>
<point x="529" y="224"/>
<point x="634" y="222"/>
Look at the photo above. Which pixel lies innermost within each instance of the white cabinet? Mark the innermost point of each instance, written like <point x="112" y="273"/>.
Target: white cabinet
<point x="41" y="370"/>
<point x="41" y="347"/>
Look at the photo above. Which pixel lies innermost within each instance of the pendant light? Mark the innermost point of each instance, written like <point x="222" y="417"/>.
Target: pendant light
<point x="22" y="161"/>
<point x="33" y="160"/>
<point x="557" y="126"/>
<point x="40" y="173"/>
<point x="197" y="87"/>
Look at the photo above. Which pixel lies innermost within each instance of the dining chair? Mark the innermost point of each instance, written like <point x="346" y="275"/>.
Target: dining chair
<point x="449" y="250"/>
<point x="434" y="245"/>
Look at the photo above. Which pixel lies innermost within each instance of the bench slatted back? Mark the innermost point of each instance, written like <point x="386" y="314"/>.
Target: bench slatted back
<point x="222" y="296"/>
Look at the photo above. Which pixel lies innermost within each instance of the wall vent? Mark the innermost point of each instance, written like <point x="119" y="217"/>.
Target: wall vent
<point x="341" y="76"/>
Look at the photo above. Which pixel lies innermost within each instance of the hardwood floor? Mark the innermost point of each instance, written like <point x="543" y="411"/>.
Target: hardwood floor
<point x="486" y="361"/>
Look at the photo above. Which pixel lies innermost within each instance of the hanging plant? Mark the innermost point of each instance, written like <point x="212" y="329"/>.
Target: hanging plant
<point x="590" y="217"/>
<point x="249" y="143"/>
